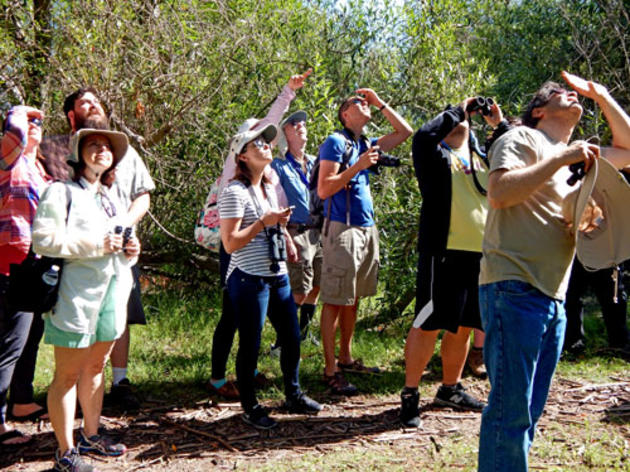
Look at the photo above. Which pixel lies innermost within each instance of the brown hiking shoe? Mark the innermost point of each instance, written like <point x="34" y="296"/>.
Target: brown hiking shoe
<point x="228" y="390"/>
<point x="475" y="362"/>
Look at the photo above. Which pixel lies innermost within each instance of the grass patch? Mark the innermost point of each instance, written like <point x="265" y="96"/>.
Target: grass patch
<point x="171" y="362"/>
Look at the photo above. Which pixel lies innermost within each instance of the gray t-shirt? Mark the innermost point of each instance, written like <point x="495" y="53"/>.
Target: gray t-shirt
<point x="236" y="202"/>
<point x="132" y="178"/>
<point x="530" y="241"/>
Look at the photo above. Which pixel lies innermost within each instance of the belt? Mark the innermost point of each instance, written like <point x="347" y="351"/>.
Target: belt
<point x="301" y="228"/>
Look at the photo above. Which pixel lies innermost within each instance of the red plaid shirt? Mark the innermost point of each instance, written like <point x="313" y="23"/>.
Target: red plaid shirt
<point x="21" y="183"/>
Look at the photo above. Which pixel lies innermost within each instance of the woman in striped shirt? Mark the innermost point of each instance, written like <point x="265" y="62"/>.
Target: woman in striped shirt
<point x="257" y="280"/>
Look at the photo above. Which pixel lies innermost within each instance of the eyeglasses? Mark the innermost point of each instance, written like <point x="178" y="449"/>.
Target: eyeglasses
<point x="259" y="142"/>
<point x="36" y="121"/>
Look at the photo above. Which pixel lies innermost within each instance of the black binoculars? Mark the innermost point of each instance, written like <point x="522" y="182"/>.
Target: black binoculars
<point x="482" y="105"/>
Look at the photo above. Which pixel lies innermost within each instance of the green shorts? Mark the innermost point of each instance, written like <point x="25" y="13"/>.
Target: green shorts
<point x="105" y="326"/>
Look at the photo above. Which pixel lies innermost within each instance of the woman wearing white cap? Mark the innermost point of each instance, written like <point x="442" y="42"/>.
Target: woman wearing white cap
<point x="78" y="221"/>
<point x="257" y="277"/>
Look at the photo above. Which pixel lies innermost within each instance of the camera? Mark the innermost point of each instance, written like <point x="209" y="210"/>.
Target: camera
<point x="277" y="248"/>
<point x="482" y="105"/>
<point x="385" y="160"/>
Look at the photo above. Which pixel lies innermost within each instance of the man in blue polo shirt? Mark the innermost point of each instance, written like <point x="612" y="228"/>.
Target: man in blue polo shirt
<point x="294" y="170"/>
<point x="349" y="236"/>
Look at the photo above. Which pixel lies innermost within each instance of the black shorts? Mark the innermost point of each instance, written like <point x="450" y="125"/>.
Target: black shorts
<point x="447" y="291"/>
<point x="135" y="311"/>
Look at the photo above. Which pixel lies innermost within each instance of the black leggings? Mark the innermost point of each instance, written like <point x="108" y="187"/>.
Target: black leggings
<point x="603" y="286"/>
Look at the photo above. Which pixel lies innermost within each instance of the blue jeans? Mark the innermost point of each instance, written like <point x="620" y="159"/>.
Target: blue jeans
<point x="223" y="336"/>
<point x="524" y="335"/>
<point x="251" y="296"/>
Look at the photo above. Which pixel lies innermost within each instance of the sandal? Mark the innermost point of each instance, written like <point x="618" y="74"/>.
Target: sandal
<point x="339" y="385"/>
<point x="34" y="417"/>
<point x="357" y="367"/>
<point x="14" y="433"/>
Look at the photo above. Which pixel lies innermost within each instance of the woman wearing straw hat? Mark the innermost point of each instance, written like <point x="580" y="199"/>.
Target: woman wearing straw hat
<point x="80" y="224"/>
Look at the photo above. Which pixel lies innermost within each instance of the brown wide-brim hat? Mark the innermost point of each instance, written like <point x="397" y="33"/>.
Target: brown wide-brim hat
<point x="118" y="141"/>
<point x="606" y="242"/>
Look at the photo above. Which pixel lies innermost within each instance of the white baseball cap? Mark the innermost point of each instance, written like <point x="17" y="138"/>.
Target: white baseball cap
<point x="239" y="140"/>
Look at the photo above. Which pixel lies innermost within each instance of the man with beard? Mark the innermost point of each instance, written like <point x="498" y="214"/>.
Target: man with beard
<point x="132" y="184"/>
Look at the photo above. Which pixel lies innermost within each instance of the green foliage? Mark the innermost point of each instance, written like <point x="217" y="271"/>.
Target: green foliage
<point x="179" y="76"/>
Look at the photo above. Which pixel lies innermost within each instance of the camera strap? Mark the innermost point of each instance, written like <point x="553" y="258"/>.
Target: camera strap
<point x="258" y="206"/>
<point x="470" y="163"/>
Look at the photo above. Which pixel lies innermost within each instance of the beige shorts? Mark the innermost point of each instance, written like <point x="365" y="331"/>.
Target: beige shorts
<point x="351" y="262"/>
<point x="306" y="273"/>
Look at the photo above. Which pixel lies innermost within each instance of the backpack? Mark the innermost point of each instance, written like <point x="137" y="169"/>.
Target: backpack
<point x="207" y="227"/>
<point x="316" y="204"/>
<point x="34" y="283"/>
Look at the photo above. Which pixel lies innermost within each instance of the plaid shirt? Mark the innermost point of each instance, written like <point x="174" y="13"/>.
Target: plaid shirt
<point x="21" y="183"/>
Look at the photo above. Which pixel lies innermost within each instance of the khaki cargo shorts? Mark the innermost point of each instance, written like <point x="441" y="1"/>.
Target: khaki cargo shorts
<point x="351" y="262"/>
<point x="306" y="273"/>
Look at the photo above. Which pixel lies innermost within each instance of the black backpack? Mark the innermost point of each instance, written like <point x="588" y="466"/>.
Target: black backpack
<point x="316" y="204"/>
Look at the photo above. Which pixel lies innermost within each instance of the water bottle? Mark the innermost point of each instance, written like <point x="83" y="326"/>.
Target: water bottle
<point x="51" y="276"/>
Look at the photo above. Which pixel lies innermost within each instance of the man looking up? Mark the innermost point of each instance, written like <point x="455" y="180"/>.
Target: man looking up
<point x="350" y="237"/>
<point x="294" y="170"/>
<point x="132" y="185"/>
<point x="452" y="177"/>
<point x="527" y="253"/>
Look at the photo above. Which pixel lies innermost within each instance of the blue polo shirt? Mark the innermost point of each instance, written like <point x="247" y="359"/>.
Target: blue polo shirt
<point x="361" y="208"/>
<point x="295" y="185"/>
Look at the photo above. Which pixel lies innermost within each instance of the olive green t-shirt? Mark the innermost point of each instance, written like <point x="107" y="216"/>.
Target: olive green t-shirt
<point x="530" y="241"/>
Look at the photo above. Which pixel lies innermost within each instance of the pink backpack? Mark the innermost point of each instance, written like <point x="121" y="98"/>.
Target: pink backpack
<point x="207" y="226"/>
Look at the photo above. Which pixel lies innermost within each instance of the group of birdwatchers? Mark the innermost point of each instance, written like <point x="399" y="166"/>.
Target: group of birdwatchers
<point x="495" y="256"/>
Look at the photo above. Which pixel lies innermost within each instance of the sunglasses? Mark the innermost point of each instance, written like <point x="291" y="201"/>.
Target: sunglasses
<point x="259" y="142"/>
<point x="295" y="122"/>
<point x="36" y="121"/>
<point x="108" y="206"/>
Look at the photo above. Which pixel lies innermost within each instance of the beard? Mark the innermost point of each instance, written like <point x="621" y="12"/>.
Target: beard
<point x="96" y="122"/>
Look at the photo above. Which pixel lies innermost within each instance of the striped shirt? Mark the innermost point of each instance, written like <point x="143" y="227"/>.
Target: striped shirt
<point x="236" y="202"/>
<point x="22" y="181"/>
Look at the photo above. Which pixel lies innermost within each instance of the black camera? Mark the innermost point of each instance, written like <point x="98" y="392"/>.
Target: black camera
<point x="385" y="160"/>
<point x="482" y="105"/>
<point x="277" y="248"/>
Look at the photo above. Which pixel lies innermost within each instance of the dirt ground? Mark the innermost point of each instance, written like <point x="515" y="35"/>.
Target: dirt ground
<point x="212" y="436"/>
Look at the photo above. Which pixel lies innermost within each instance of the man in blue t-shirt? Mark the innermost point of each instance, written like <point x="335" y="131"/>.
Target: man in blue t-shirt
<point x="350" y="237"/>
